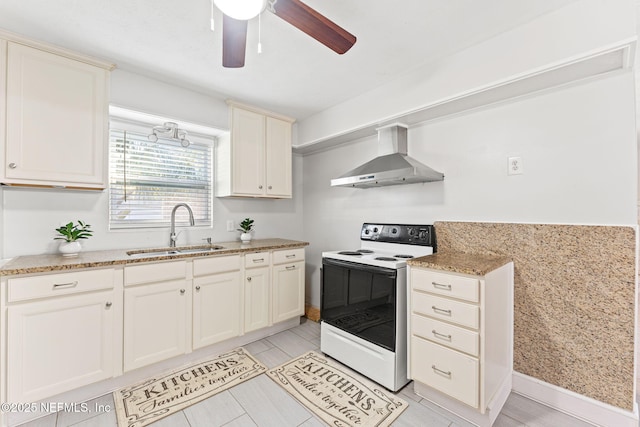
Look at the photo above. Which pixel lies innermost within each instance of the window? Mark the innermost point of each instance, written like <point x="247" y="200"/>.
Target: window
<point x="147" y="179"/>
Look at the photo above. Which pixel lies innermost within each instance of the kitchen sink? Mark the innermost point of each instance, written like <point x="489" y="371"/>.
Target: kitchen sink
<point x="150" y="253"/>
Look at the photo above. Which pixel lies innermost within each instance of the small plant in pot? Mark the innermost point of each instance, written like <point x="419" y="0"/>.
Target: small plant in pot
<point x="246" y="226"/>
<point x="71" y="233"/>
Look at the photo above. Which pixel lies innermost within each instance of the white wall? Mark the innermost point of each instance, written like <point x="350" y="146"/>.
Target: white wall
<point x="576" y="30"/>
<point x="578" y="147"/>
<point x="28" y="217"/>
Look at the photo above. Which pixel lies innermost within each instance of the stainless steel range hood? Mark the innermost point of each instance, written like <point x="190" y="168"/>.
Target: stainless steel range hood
<point x="392" y="166"/>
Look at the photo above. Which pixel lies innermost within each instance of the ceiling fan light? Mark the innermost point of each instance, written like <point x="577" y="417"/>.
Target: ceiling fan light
<point x="241" y="9"/>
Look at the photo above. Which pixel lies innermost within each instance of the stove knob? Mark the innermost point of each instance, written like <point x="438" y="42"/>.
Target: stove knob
<point x="394" y="231"/>
<point x="412" y="231"/>
<point x="422" y="235"/>
<point x="375" y="229"/>
<point x="366" y="231"/>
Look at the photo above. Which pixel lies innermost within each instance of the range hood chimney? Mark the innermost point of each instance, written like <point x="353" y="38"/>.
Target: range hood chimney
<point x="392" y="166"/>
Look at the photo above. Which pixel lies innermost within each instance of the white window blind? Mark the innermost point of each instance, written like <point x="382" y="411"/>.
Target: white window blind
<point x="147" y="179"/>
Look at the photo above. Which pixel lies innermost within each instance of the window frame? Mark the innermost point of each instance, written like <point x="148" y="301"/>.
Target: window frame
<point x="143" y="127"/>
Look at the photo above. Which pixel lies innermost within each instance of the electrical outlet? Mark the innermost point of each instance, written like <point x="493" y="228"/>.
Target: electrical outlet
<point x="230" y="226"/>
<point x="515" y="166"/>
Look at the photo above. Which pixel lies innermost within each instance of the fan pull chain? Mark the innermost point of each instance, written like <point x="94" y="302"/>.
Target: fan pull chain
<point x="260" y="33"/>
<point x="212" y="24"/>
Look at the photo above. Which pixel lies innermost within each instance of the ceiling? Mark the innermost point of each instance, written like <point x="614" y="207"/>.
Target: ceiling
<point x="294" y="75"/>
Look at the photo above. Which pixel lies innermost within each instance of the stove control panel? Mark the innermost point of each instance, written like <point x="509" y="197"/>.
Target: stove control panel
<point x="423" y="235"/>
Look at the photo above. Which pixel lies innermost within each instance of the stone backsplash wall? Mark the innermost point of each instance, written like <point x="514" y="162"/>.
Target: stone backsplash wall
<point x="574" y="300"/>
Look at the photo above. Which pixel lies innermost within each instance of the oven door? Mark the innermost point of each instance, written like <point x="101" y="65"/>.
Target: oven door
<point x="360" y="299"/>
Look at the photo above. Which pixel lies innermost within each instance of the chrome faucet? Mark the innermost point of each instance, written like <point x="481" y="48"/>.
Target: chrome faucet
<point x="172" y="236"/>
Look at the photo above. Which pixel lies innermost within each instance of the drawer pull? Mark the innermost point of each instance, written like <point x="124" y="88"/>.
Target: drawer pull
<point x="257" y="260"/>
<point x="290" y="267"/>
<point x="290" y="256"/>
<point x="182" y="291"/>
<point x="198" y="288"/>
<point x="441" y="310"/>
<point x="249" y="279"/>
<point x="65" y="285"/>
<point x="441" y="336"/>
<point x="441" y="286"/>
<point x="109" y="304"/>
<point x="441" y="372"/>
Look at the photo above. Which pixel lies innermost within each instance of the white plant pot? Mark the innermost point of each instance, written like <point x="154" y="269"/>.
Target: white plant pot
<point x="245" y="237"/>
<point x="70" y="248"/>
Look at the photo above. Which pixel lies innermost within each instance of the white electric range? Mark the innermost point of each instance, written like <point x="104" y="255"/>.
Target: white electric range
<point x="363" y="307"/>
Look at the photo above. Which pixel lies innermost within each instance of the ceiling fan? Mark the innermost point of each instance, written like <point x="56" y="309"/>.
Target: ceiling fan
<point x="238" y="12"/>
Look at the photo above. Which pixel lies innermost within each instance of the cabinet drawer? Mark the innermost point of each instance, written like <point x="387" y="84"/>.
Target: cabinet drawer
<point x="451" y="285"/>
<point x="446" y="334"/>
<point x="258" y="259"/>
<point x="49" y="285"/>
<point x="449" y="371"/>
<point x="446" y="309"/>
<point x="205" y="266"/>
<point x="159" y="272"/>
<point x="290" y="255"/>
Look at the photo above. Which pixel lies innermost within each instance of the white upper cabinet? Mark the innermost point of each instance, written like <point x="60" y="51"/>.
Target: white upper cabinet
<point x="56" y="118"/>
<point x="256" y="160"/>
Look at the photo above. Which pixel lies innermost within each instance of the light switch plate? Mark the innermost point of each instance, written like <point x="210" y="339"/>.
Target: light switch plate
<point x="230" y="226"/>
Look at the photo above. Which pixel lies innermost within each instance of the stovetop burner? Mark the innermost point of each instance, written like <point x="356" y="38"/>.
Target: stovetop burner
<point x="385" y="258"/>
<point x="365" y="251"/>
<point x="352" y="253"/>
<point x="403" y="256"/>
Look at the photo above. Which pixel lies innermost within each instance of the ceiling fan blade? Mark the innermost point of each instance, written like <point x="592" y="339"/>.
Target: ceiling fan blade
<point x="234" y="42"/>
<point x="314" y="24"/>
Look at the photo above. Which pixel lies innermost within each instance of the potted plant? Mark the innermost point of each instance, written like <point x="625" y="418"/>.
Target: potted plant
<point x="246" y="226"/>
<point x="71" y="233"/>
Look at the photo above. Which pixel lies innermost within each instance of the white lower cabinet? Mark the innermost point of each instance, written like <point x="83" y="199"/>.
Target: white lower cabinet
<point x="256" y="299"/>
<point x="461" y="340"/>
<point x="216" y="300"/>
<point x="288" y="291"/>
<point x="156" y="313"/>
<point x="74" y="328"/>
<point x="451" y="372"/>
<point x="44" y="336"/>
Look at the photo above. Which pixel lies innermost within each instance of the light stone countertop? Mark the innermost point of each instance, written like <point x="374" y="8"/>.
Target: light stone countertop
<point x="56" y="262"/>
<point x="459" y="262"/>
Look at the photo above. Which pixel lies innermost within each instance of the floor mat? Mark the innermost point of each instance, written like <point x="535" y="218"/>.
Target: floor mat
<point x="338" y="397"/>
<point x="159" y="397"/>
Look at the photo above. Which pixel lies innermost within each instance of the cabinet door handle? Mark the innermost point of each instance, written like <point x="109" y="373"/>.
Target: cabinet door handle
<point x="441" y="286"/>
<point x="198" y="288"/>
<point x="257" y="260"/>
<point x="260" y="187"/>
<point x="290" y="267"/>
<point x="441" y="310"/>
<point x="109" y="304"/>
<point x="182" y="291"/>
<point x="270" y="187"/>
<point x="65" y="285"/>
<point x="441" y="336"/>
<point x="249" y="279"/>
<point x="290" y="256"/>
<point x="12" y="165"/>
<point x="440" y="371"/>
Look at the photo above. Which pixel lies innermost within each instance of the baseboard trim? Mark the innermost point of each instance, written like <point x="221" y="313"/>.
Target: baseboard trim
<point x="312" y="313"/>
<point x="574" y="404"/>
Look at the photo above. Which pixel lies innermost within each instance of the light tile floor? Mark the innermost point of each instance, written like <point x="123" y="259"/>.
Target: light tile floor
<point x="260" y="402"/>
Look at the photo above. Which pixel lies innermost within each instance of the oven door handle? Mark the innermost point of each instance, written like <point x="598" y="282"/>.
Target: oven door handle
<point x="389" y="272"/>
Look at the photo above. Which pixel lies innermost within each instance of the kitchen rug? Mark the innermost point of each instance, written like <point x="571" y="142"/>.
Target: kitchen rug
<point x="157" y="398"/>
<point x="340" y="398"/>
